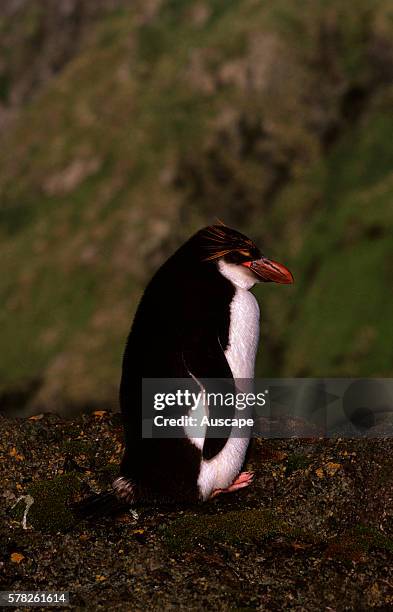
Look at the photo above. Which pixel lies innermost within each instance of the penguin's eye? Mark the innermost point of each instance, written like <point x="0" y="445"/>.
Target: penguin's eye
<point x="237" y="256"/>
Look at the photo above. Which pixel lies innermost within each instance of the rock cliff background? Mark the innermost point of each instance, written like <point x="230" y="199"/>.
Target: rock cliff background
<point x="125" y="126"/>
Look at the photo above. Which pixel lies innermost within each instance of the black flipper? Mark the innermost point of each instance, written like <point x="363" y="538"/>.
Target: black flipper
<point x="204" y="357"/>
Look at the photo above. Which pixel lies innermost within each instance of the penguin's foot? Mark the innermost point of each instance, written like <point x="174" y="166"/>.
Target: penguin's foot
<point x="243" y="480"/>
<point x="124" y="489"/>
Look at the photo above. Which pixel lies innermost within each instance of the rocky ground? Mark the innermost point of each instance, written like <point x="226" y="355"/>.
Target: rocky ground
<point x="314" y="531"/>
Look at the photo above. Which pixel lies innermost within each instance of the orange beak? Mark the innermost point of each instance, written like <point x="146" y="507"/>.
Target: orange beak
<point x="270" y="271"/>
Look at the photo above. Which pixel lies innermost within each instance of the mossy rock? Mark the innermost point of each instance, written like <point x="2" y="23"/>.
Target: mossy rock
<point x="76" y="447"/>
<point x="370" y="537"/>
<point x="50" y="511"/>
<point x="356" y="543"/>
<point x="297" y="461"/>
<point x="234" y="527"/>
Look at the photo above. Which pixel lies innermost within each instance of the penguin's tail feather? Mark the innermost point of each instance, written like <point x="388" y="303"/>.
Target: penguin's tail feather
<point x="98" y="505"/>
<point x="107" y="503"/>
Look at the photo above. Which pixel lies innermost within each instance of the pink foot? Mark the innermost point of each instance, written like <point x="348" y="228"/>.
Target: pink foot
<point x="243" y="480"/>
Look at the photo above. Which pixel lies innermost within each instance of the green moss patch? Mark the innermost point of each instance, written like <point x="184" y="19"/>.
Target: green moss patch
<point x="355" y="544"/>
<point x="76" y="447"/>
<point x="296" y="462"/>
<point x="51" y="511"/>
<point x="235" y="527"/>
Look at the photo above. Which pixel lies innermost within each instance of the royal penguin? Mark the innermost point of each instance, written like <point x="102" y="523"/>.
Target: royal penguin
<point x="196" y="318"/>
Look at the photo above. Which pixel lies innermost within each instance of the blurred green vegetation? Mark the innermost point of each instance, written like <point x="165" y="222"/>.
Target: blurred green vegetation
<point x="125" y="130"/>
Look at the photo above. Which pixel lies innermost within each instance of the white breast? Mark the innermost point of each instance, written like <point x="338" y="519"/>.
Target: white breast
<point x="243" y="334"/>
<point x="221" y="471"/>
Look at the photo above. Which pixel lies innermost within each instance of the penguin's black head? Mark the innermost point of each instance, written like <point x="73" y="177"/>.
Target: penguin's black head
<point x="238" y="258"/>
